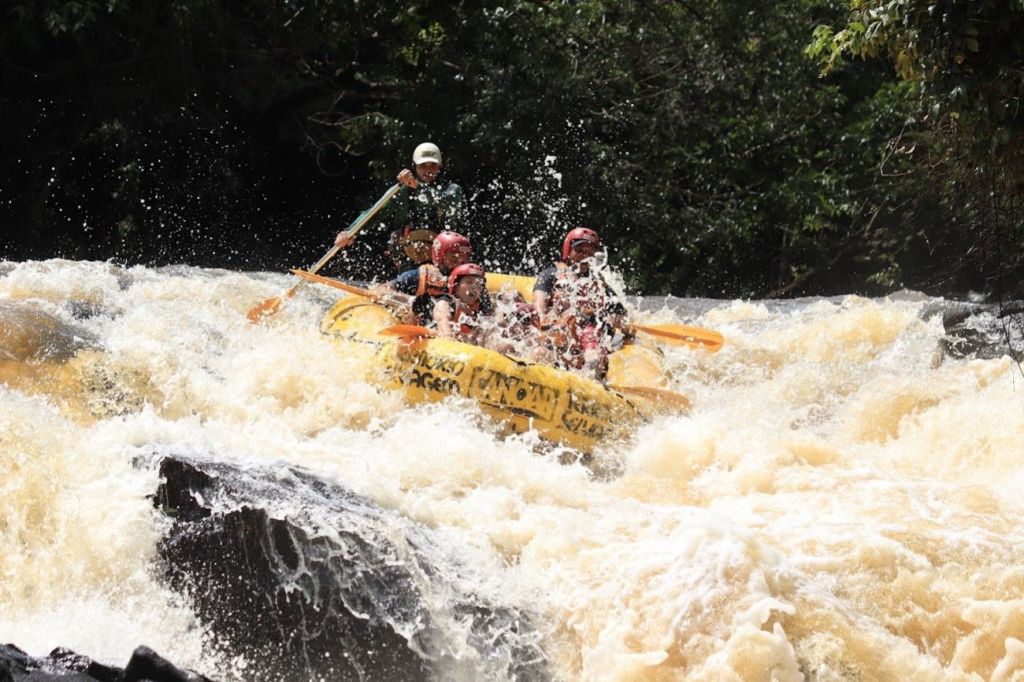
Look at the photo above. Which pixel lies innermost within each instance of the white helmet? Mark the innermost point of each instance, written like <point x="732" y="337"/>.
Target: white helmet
<point x="426" y="153"/>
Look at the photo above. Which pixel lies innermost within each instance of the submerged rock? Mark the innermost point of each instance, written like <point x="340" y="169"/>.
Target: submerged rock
<point x="63" y="665"/>
<point x="984" y="330"/>
<point x="306" y="580"/>
<point x="30" y="333"/>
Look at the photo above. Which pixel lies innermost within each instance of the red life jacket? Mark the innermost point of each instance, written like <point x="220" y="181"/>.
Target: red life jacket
<point x="466" y="320"/>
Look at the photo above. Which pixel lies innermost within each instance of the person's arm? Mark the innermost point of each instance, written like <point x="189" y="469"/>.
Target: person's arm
<point x="406" y="283"/>
<point x="615" y="312"/>
<point x="398" y="291"/>
<point x="486" y="304"/>
<point x="540" y="302"/>
<point x="422" y="311"/>
<point x="542" y="290"/>
<point x="621" y="322"/>
<point x="408" y="178"/>
<point x="443" y="317"/>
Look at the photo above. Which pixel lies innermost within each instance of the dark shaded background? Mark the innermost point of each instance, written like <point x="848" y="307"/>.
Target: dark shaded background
<point x="698" y="137"/>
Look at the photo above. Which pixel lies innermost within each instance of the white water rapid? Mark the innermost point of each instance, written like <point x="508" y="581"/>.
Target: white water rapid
<point x="838" y="506"/>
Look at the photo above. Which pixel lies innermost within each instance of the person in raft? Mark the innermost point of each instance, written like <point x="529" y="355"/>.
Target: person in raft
<point x="460" y="312"/>
<point x="577" y="308"/>
<point x="515" y="328"/>
<point x="423" y="207"/>
<point x="426" y="282"/>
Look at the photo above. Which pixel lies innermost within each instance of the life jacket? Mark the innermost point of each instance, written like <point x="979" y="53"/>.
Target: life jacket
<point x="432" y="282"/>
<point x="466" y="321"/>
<point x="578" y="303"/>
<point x="572" y="292"/>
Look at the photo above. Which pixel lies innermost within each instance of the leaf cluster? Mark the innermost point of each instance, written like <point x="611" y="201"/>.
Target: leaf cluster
<point x="964" y="61"/>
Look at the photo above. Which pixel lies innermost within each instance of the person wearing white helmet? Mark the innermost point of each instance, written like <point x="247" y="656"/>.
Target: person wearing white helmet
<point x="423" y="207"/>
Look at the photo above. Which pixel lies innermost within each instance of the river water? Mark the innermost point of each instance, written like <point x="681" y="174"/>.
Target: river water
<point x="839" y="504"/>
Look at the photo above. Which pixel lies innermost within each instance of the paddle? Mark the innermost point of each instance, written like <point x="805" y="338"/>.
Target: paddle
<point x="674" y="333"/>
<point x="683" y="334"/>
<point x="407" y="330"/>
<point x="392" y="298"/>
<point x="675" y="400"/>
<point x="272" y="304"/>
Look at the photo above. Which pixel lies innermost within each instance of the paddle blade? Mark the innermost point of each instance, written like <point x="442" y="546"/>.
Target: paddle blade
<point x="407" y="330"/>
<point x="670" y="399"/>
<point x="265" y="309"/>
<point x="683" y="334"/>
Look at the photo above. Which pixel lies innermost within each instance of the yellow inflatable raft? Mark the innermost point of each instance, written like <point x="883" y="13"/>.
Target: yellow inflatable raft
<point x="561" y="406"/>
<point x="496" y="281"/>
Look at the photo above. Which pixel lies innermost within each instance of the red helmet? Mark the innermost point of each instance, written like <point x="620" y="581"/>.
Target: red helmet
<point x="445" y="242"/>
<point x="464" y="270"/>
<point x="580" y="234"/>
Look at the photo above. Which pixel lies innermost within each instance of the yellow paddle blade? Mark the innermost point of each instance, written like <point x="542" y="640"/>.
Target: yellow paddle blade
<point x="684" y="334"/>
<point x="264" y="309"/>
<point x="406" y="330"/>
<point x="671" y="399"/>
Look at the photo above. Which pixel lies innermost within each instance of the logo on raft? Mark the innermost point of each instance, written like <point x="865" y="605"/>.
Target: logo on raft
<point x="441" y="376"/>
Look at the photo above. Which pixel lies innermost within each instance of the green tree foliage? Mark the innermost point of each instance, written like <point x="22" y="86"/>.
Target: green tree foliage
<point x="965" y="63"/>
<point x="695" y="134"/>
<point x="757" y="176"/>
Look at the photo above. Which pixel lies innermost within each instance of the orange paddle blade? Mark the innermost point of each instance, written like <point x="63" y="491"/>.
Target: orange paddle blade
<point x="264" y="309"/>
<point x="407" y="330"/>
<point x="684" y="334"/>
<point x="675" y="400"/>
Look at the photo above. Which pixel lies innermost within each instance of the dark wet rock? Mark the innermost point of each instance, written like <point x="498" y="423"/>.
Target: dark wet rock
<point x="82" y="664"/>
<point x="146" y="664"/>
<point x="63" y="665"/>
<point x="306" y="580"/>
<point x="984" y="330"/>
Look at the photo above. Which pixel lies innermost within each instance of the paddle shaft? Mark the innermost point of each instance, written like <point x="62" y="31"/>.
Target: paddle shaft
<point x="660" y="395"/>
<point x="316" y="268"/>
<point x="352" y="231"/>
<point x="693" y="336"/>
<point x="391" y="298"/>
